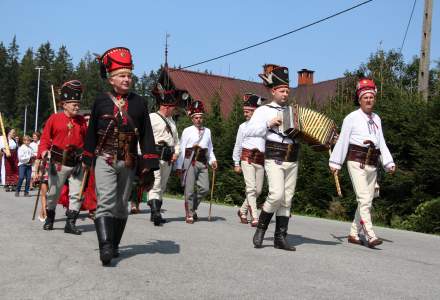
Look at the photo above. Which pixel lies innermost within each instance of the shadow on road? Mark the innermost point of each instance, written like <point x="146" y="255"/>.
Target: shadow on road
<point x="297" y="240"/>
<point x="343" y="239"/>
<point x="86" y="227"/>
<point x="143" y="211"/>
<point x="158" y="246"/>
<point x="201" y="219"/>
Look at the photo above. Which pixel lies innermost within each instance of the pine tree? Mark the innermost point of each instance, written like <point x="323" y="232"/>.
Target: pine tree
<point x="12" y="69"/>
<point x="62" y="68"/>
<point x="236" y="191"/>
<point x="44" y="58"/>
<point x="88" y="73"/>
<point x="3" y="78"/>
<point x="26" y="91"/>
<point x="144" y="86"/>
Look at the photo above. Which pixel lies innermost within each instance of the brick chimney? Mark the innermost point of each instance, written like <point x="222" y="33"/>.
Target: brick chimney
<point x="305" y="77"/>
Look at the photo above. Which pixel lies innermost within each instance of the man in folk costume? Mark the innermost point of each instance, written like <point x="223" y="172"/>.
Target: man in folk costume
<point x="119" y="121"/>
<point x="281" y="155"/>
<point x="63" y="140"/>
<point x="10" y="160"/>
<point x="167" y="146"/>
<point x="196" y="152"/>
<point x="361" y="141"/>
<point x="250" y="151"/>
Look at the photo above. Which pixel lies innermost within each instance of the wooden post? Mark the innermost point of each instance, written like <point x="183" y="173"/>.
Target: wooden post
<point x="53" y="99"/>
<point x="423" y="87"/>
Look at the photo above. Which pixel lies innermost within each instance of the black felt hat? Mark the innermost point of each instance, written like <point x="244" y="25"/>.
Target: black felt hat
<point x="275" y="76"/>
<point x="252" y="101"/>
<point x="71" y="91"/>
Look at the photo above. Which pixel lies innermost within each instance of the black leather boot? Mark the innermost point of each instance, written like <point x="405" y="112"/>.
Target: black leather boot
<point x="50" y="218"/>
<point x="104" y="230"/>
<point x="150" y="204"/>
<point x="70" y="227"/>
<point x="263" y="223"/>
<point x="280" y="241"/>
<point x="118" y="230"/>
<point x="156" y="216"/>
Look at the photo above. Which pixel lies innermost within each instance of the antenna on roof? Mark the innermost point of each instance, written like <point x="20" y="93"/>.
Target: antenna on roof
<point x="166" y="49"/>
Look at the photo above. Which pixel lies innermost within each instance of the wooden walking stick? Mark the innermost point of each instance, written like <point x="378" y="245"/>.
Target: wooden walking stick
<point x="41" y="167"/>
<point x="335" y="176"/>
<point x="36" y="202"/>
<point x="212" y="194"/>
<point x="83" y="183"/>
<point x="53" y="99"/>
<point x="4" y="137"/>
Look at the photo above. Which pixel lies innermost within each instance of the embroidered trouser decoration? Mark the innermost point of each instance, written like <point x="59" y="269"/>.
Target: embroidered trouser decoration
<point x="363" y="180"/>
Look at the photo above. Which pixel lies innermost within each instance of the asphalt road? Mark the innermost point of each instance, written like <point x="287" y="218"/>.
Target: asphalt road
<point x="209" y="260"/>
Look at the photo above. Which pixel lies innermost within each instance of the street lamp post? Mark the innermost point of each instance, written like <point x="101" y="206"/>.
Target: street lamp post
<point x="38" y="97"/>
<point x="25" y="120"/>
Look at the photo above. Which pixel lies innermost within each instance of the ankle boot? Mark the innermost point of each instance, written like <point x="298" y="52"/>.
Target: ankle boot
<point x="263" y="223"/>
<point x="280" y="241"/>
<point x="104" y="230"/>
<point x="70" y="227"/>
<point x="50" y="218"/>
<point x="150" y="204"/>
<point x="118" y="230"/>
<point x="155" y="212"/>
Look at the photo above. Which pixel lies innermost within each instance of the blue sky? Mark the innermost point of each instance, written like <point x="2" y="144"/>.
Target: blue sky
<point x="203" y="29"/>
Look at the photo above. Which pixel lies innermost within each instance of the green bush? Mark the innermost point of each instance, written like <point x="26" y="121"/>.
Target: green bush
<point x="426" y="217"/>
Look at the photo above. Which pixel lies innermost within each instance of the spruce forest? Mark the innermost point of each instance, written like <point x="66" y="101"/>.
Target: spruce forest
<point x="409" y="199"/>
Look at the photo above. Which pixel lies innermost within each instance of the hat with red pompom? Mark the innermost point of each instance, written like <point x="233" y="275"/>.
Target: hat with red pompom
<point x="196" y="108"/>
<point x="365" y="86"/>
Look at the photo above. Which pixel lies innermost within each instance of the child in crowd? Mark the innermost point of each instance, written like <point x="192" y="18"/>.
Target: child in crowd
<point x="25" y="160"/>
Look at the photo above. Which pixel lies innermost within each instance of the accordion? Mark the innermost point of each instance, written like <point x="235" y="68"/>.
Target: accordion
<point x="312" y="127"/>
<point x="290" y="124"/>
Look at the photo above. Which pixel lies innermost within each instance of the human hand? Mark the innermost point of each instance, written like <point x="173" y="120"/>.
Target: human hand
<point x="274" y="122"/>
<point x="391" y="170"/>
<point x="85" y="166"/>
<point x="237" y="169"/>
<point x="335" y="139"/>
<point x="145" y="171"/>
<point x="334" y="170"/>
<point x="44" y="154"/>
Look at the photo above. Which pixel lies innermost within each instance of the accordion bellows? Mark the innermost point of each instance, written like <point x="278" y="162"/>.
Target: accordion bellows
<point x="312" y="127"/>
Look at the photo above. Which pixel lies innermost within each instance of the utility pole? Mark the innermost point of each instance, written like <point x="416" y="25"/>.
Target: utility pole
<point x="25" y="120"/>
<point x="424" y="51"/>
<point x="38" y="97"/>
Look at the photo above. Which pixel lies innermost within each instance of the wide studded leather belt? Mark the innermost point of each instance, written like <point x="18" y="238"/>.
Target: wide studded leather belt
<point x="200" y="154"/>
<point x="70" y="156"/>
<point x="281" y="152"/>
<point x="252" y="156"/>
<point x="363" y="155"/>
